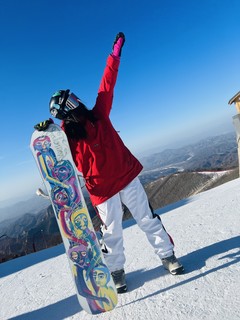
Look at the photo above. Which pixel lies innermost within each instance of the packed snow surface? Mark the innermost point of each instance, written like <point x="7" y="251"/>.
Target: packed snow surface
<point x="205" y="229"/>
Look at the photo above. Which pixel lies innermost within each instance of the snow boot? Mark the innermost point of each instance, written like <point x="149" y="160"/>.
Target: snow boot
<point x="119" y="280"/>
<point x="172" y="265"/>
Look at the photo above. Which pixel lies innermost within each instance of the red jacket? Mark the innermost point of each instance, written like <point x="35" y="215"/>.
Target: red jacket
<point x="105" y="162"/>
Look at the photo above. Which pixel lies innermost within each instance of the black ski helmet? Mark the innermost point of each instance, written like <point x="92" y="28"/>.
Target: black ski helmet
<point x="62" y="102"/>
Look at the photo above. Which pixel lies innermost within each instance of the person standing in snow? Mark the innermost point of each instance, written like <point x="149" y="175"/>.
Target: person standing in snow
<point x="111" y="171"/>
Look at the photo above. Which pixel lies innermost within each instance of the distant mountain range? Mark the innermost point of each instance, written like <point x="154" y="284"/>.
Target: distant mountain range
<point x="33" y="205"/>
<point x="218" y="152"/>
<point x="177" y="186"/>
<point x="168" y="176"/>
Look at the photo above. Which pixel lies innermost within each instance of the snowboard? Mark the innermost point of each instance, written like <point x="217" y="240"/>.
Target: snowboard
<point x="95" y="288"/>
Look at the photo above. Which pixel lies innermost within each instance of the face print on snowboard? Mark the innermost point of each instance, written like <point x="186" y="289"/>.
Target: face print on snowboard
<point x="101" y="276"/>
<point x="63" y="171"/>
<point x="79" y="255"/>
<point x="60" y="197"/>
<point x="42" y="144"/>
<point x="81" y="221"/>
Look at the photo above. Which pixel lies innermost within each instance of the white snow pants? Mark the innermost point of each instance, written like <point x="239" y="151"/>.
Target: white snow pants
<point x="110" y="211"/>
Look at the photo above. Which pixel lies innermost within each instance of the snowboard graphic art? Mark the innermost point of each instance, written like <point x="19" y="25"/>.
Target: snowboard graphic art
<point x="94" y="285"/>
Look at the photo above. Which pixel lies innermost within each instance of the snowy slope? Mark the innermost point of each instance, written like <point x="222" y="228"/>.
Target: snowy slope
<point x="205" y="228"/>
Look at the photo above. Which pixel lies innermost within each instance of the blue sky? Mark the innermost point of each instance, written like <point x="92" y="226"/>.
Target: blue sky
<point x="180" y="66"/>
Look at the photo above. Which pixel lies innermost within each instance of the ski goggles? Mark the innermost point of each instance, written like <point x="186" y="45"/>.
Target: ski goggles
<point x="71" y="103"/>
<point x="68" y="102"/>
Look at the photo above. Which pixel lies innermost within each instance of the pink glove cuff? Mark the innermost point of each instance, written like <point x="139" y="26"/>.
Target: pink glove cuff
<point x="117" y="47"/>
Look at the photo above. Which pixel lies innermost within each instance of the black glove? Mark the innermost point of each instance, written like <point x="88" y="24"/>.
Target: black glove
<point x="43" y="125"/>
<point x="118" y="44"/>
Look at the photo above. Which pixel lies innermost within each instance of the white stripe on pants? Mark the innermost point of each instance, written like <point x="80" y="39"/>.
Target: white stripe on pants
<point x="110" y="211"/>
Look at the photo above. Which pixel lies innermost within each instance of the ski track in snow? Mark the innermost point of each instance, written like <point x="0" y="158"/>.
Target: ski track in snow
<point x="205" y="229"/>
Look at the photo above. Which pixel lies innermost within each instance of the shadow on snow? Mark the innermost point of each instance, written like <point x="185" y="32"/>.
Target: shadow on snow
<point x="57" y="311"/>
<point x="193" y="261"/>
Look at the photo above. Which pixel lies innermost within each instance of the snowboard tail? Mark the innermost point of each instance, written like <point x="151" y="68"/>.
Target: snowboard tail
<point x="94" y="285"/>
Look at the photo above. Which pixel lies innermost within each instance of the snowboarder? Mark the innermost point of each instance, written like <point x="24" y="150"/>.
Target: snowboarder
<point x="111" y="171"/>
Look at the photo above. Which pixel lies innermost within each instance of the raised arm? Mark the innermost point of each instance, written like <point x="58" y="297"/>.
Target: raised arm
<point x="105" y="93"/>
